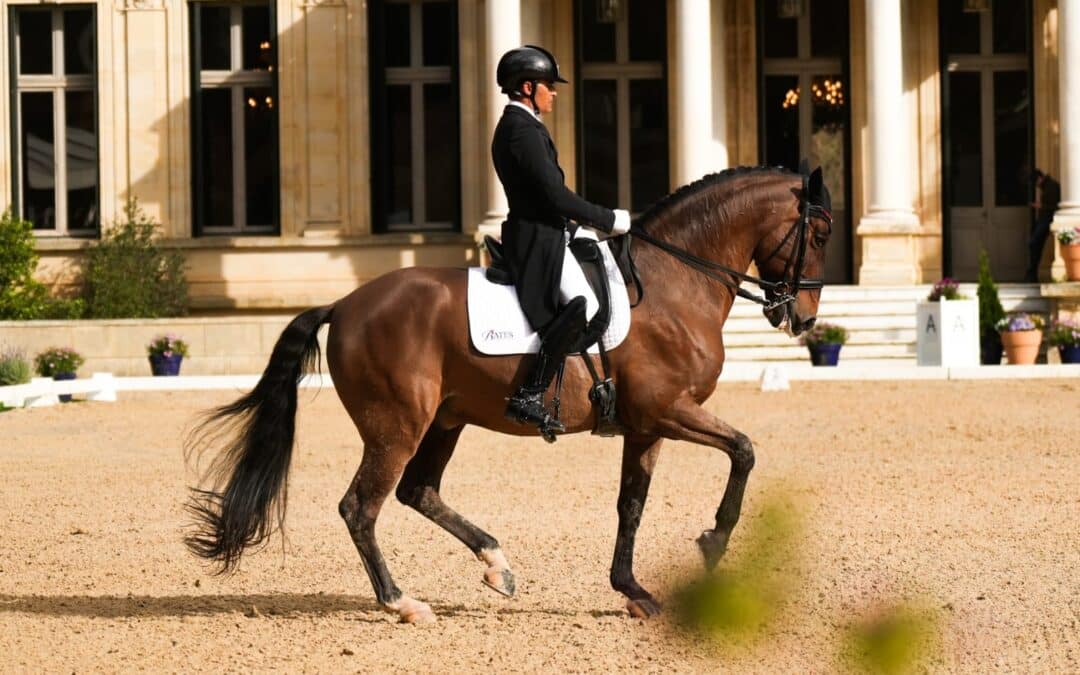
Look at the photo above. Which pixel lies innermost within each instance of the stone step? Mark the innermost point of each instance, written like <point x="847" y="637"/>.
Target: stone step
<point x="796" y="352"/>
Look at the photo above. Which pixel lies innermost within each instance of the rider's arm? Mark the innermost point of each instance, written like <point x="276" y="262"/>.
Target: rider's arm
<point x="529" y="150"/>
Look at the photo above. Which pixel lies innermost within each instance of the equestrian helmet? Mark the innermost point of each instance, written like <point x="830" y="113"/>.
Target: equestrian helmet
<point x="524" y="64"/>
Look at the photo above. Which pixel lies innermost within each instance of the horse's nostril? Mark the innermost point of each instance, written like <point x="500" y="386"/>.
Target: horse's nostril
<point x="810" y="323"/>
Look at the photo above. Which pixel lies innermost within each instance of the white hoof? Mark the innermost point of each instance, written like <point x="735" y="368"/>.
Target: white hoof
<point x="411" y="611"/>
<point x="498" y="576"/>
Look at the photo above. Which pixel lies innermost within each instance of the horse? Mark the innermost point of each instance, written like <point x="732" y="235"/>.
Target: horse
<point x="399" y="354"/>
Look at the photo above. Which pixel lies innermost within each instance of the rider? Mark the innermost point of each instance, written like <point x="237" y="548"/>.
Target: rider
<point x="552" y="289"/>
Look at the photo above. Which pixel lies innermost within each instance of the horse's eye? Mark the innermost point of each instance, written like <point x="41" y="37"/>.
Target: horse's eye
<point x="820" y="239"/>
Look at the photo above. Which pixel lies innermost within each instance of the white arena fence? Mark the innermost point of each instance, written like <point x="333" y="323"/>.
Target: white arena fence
<point x="772" y="376"/>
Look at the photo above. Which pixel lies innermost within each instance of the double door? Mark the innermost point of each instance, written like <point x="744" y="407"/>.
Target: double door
<point x="987" y="126"/>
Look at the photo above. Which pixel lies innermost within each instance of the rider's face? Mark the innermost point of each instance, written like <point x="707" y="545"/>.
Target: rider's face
<point x="545" y="96"/>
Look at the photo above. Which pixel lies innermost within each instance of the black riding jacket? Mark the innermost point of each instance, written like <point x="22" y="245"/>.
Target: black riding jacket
<point x="540" y="206"/>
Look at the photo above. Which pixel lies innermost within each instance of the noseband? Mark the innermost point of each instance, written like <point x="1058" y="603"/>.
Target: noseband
<point x="784" y="290"/>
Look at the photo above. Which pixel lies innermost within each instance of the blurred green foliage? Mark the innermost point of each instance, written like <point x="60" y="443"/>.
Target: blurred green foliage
<point x="894" y="640"/>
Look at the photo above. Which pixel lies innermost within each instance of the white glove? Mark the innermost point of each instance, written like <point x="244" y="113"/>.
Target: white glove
<point x="622" y="222"/>
<point x="586" y="233"/>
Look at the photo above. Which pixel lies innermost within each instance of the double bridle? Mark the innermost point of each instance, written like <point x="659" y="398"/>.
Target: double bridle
<point x="785" y="289"/>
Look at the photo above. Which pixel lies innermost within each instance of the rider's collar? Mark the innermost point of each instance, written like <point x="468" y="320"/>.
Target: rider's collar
<point x="525" y="107"/>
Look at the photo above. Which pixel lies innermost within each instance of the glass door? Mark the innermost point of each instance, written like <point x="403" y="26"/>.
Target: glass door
<point x="987" y="127"/>
<point x="804" y="103"/>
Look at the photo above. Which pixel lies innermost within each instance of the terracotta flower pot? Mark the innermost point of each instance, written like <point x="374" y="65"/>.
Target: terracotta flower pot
<point x="1071" y="254"/>
<point x="1021" y="346"/>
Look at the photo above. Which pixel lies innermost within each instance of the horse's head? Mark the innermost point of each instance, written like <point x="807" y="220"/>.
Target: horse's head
<point x="791" y="256"/>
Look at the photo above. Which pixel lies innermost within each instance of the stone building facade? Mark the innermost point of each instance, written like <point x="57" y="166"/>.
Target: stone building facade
<point x="293" y="149"/>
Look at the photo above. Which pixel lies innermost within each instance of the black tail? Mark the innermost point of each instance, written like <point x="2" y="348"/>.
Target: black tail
<point x="247" y="481"/>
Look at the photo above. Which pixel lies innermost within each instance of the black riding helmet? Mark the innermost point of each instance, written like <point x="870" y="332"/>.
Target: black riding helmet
<point x="526" y="64"/>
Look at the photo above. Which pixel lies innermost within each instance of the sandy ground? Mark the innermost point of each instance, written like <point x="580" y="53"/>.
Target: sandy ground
<point x="962" y="497"/>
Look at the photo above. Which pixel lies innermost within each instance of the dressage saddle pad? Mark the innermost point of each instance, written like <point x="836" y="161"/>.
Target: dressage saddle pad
<point x="498" y="327"/>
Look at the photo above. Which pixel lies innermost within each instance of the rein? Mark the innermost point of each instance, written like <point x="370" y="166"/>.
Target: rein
<point x="783" y="289"/>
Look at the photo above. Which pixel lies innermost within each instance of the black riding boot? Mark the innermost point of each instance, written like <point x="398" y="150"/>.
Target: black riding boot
<point x="526" y="406"/>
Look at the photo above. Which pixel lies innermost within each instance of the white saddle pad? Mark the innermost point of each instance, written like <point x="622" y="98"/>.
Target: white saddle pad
<point x="497" y="326"/>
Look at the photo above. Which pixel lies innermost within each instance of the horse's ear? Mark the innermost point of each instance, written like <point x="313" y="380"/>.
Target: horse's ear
<point x="816" y="182"/>
<point x="804" y="167"/>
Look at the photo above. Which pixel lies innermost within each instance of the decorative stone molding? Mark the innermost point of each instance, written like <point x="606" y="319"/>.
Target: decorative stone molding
<point x="137" y="5"/>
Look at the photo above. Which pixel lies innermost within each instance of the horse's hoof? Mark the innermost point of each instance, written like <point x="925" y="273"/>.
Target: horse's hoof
<point x="501" y="581"/>
<point x="643" y="608"/>
<point x="713" y="544"/>
<point x="412" y="611"/>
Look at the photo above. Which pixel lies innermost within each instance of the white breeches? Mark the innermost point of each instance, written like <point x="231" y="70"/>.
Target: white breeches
<point x="572" y="283"/>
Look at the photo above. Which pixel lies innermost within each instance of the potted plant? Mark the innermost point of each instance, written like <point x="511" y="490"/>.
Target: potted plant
<point x="165" y="353"/>
<point x="824" y="341"/>
<point x="947" y="327"/>
<point x="1021" y="335"/>
<point x="59" y="363"/>
<point x="1070" y="252"/>
<point x="990" y="313"/>
<point x="1065" y="335"/>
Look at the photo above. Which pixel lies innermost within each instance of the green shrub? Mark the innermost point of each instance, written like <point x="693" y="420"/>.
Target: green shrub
<point x="56" y="360"/>
<point x="990" y="309"/>
<point x="22" y="297"/>
<point x="14" y="368"/>
<point x="129" y="276"/>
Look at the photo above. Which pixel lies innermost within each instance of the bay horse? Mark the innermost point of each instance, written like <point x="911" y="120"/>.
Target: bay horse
<point x="399" y="353"/>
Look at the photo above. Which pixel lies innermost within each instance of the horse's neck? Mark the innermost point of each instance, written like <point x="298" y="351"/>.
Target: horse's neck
<point x="726" y="234"/>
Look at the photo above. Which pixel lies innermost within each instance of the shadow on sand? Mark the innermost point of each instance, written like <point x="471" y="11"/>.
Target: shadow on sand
<point x="255" y="605"/>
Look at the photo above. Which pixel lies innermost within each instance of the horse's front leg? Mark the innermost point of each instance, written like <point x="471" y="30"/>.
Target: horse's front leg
<point x="639" y="458"/>
<point x="688" y="421"/>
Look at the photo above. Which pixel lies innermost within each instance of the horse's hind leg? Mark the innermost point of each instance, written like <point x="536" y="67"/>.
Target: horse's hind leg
<point x="688" y="421"/>
<point x="360" y="507"/>
<point x="419" y="488"/>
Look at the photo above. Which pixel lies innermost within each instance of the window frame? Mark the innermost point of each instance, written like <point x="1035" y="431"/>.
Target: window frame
<point x="57" y="84"/>
<point x="236" y="79"/>
<point x="622" y="71"/>
<point x="415" y="76"/>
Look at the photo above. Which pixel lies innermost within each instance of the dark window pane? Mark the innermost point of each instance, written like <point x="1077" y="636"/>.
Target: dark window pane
<point x="960" y="29"/>
<point x="397" y="35"/>
<point x="781" y="36"/>
<point x="965" y="139"/>
<point x="829" y="120"/>
<point x="829" y="28"/>
<point x="440" y="158"/>
<point x="82" y="160"/>
<point x="1010" y="27"/>
<point x="440" y="27"/>
<point x="214" y="37"/>
<point x="260" y="155"/>
<point x="1012" y="111"/>
<point x="648" y="30"/>
<point x="601" y="179"/>
<point x="39" y="161"/>
<point x="78" y="41"/>
<point x="597" y="39"/>
<point x="217" y="157"/>
<point x="782" y="121"/>
<point x="35" y="42"/>
<point x="399" y="155"/>
<point x="648" y="143"/>
<point x="258" y="46"/>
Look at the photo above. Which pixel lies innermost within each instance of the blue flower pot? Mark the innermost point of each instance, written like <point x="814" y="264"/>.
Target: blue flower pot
<point x="1069" y="354"/>
<point x="64" y="398"/>
<point x="165" y="365"/>
<point x="824" y="355"/>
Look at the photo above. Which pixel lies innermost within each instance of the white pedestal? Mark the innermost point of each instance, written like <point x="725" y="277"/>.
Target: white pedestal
<point x="947" y="333"/>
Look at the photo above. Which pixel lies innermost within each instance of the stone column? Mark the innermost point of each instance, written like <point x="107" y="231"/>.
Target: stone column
<point x="1068" y="213"/>
<point x="502" y="20"/>
<point x="889" y="227"/>
<point x="700" y="128"/>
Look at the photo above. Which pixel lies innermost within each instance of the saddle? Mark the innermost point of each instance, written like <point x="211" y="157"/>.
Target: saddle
<point x="587" y="252"/>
